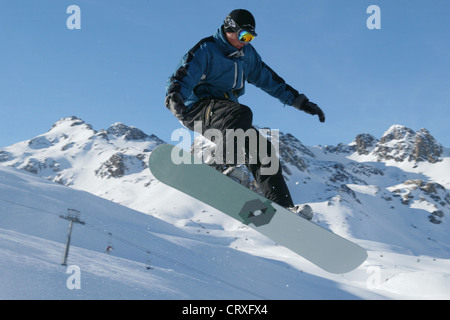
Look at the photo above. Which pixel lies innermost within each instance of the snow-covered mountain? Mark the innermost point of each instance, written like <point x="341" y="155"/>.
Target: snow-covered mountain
<point x="391" y="195"/>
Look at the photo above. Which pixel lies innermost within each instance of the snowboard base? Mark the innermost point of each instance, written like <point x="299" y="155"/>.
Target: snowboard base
<point x="325" y="249"/>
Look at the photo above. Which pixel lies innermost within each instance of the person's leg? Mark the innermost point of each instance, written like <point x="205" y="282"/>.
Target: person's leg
<point x="221" y="115"/>
<point x="273" y="186"/>
<point x="224" y="114"/>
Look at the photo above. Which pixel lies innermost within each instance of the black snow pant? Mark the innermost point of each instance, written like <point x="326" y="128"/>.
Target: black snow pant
<point x="221" y="114"/>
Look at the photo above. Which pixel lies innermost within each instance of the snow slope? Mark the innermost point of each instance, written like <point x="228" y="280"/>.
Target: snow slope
<point x="183" y="265"/>
<point x="395" y="204"/>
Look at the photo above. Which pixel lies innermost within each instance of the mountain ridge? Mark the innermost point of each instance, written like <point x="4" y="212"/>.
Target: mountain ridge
<point x="390" y="195"/>
<point x="63" y="153"/>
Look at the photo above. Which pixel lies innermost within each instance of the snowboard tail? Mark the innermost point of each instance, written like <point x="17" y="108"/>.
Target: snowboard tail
<point x="325" y="249"/>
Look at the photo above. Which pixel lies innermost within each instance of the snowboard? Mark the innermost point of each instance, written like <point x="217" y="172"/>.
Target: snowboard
<point x="181" y="170"/>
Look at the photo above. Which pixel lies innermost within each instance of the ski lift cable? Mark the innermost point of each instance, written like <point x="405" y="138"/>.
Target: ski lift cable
<point x="175" y="262"/>
<point x="146" y="250"/>
<point x="30" y="207"/>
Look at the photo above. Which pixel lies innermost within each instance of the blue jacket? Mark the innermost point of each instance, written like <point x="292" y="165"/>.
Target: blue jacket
<point x="214" y="68"/>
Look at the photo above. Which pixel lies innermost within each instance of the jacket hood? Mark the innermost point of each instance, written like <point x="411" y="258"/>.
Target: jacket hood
<point x="225" y="46"/>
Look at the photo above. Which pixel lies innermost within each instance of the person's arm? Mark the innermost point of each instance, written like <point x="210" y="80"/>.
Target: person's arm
<point x="262" y="76"/>
<point x="181" y="84"/>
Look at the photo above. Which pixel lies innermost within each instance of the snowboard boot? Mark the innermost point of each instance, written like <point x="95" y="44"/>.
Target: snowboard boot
<point x="239" y="174"/>
<point x="302" y="210"/>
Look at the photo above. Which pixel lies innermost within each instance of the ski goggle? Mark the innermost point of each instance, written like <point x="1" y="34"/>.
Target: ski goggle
<point x="245" y="36"/>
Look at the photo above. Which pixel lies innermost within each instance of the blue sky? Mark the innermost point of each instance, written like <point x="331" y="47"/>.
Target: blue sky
<point x="114" y="69"/>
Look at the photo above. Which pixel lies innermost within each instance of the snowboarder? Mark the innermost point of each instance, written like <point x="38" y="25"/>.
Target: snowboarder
<point x="209" y="80"/>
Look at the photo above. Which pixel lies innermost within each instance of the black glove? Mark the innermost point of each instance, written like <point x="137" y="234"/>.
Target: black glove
<point x="302" y="103"/>
<point x="174" y="102"/>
